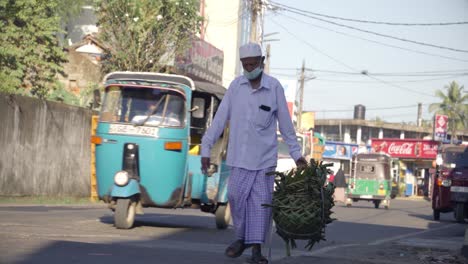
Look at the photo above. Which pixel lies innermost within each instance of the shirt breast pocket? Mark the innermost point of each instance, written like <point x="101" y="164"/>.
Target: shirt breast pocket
<point x="263" y="118"/>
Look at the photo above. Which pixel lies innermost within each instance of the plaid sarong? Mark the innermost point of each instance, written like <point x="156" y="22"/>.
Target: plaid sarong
<point x="247" y="191"/>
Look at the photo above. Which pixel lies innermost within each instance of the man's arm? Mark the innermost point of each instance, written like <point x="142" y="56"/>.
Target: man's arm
<point x="215" y="130"/>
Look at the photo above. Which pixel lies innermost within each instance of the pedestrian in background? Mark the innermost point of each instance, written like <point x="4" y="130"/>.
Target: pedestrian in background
<point x="254" y="106"/>
<point x="340" y="185"/>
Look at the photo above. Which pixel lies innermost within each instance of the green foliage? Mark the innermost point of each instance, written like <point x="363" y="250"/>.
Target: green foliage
<point x="60" y="94"/>
<point x="83" y="99"/>
<point x="145" y="35"/>
<point x="68" y="9"/>
<point x="302" y="203"/>
<point x="30" y="57"/>
<point x="454" y="104"/>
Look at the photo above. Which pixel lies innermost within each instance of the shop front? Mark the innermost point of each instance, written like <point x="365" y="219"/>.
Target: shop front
<point x="415" y="159"/>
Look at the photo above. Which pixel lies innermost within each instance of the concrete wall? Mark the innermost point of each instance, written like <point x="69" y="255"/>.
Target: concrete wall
<point x="45" y="148"/>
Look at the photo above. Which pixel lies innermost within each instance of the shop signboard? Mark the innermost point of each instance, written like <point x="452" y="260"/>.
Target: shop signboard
<point x="338" y="150"/>
<point x="202" y="61"/>
<point x="405" y="148"/>
<point x="440" y="127"/>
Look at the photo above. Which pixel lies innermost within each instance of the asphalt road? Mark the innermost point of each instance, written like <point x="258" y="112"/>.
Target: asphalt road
<point x="85" y="234"/>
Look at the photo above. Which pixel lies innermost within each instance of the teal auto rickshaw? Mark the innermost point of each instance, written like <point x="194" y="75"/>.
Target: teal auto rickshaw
<point x="371" y="179"/>
<point x="148" y="146"/>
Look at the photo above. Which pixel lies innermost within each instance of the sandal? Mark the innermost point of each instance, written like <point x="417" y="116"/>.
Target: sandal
<point x="257" y="259"/>
<point x="236" y="249"/>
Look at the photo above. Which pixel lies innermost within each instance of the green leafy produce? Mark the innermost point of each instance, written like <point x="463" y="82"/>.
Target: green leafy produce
<point x="302" y="203"/>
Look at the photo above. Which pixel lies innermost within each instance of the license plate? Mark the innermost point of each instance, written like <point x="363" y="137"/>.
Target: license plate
<point x="133" y="130"/>
<point x="459" y="189"/>
<point x="366" y="196"/>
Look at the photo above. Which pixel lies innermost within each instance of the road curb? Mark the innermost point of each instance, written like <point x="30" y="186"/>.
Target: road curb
<point x="96" y="205"/>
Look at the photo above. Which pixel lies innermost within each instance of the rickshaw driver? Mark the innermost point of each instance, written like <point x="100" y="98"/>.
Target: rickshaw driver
<point x="253" y="105"/>
<point x="157" y="112"/>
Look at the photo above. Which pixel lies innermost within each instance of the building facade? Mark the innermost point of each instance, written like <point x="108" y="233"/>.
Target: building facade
<point x="412" y="147"/>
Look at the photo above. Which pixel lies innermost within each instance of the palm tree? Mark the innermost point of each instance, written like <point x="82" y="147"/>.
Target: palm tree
<point x="454" y="104"/>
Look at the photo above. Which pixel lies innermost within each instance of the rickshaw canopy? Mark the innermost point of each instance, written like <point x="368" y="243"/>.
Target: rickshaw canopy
<point x="142" y="77"/>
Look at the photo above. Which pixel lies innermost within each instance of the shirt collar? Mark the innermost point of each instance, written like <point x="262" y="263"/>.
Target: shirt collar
<point x="264" y="83"/>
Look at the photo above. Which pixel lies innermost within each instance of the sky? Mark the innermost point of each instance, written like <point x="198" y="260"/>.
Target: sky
<point x="400" y="74"/>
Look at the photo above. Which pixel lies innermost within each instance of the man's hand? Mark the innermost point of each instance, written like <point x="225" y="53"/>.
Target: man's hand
<point x="301" y="163"/>
<point x="205" y="164"/>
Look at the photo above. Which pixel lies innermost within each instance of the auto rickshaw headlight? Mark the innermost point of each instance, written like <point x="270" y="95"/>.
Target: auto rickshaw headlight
<point x="121" y="178"/>
<point x="444" y="182"/>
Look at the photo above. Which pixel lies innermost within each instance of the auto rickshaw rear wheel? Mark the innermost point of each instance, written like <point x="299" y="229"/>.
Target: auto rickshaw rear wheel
<point x="124" y="215"/>
<point x="376" y="203"/>
<point x="459" y="212"/>
<point x="223" y="216"/>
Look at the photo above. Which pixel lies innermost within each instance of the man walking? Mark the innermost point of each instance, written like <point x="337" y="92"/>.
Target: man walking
<point x="255" y="107"/>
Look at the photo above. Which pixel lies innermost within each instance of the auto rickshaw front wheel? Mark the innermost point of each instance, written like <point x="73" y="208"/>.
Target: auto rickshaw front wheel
<point x="459" y="212"/>
<point x="124" y="215"/>
<point x="223" y="216"/>
<point x="436" y="214"/>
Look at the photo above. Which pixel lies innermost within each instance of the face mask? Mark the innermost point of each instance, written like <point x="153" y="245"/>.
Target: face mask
<point x="253" y="74"/>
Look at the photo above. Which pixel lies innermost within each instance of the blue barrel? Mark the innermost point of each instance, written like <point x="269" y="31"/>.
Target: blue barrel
<point x="409" y="189"/>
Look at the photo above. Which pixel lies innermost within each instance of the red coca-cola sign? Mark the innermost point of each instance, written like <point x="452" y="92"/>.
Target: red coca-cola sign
<point x="405" y="148"/>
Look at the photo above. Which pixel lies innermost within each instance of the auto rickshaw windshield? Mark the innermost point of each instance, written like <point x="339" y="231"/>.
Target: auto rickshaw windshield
<point x="372" y="171"/>
<point x="143" y="106"/>
<point x="450" y="157"/>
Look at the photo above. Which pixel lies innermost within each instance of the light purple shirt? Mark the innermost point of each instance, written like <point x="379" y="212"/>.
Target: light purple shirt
<point x="253" y="140"/>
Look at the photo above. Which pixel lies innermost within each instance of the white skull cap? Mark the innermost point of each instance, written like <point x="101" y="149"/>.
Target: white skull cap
<point x="250" y="50"/>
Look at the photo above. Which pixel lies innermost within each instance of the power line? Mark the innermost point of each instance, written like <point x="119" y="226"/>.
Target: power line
<point x="396" y="74"/>
<point x="368" y="109"/>
<point x="372" y="32"/>
<point x="370" y="21"/>
<point x="417" y="73"/>
<point x="407" y="81"/>
<point x="377" y="42"/>
<point x="349" y="67"/>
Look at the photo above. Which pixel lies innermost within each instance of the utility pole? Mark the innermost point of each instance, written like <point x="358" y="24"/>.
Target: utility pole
<point x="419" y="119"/>
<point x="301" y="97"/>
<point x="267" y="59"/>
<point x="255" y="8"/>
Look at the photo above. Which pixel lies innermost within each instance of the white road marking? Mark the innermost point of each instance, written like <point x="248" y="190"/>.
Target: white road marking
<point x="381" y="241"/>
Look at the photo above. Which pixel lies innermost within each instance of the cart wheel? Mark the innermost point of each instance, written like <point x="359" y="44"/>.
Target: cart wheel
<point x="376" y="204"/>
<point x="436" y="214"/>
<point x="124" y="215"/>
<point x="459" y="212"/>
<point x="223" y="216"/>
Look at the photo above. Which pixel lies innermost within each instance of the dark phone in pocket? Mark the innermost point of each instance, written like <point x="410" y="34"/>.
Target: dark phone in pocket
<point x="265" y="108"/>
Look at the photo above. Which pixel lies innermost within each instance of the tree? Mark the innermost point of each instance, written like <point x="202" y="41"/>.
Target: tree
<point x="454" y="104"/>
<point x="145" y="35"/>
<point x="30" y="57"/>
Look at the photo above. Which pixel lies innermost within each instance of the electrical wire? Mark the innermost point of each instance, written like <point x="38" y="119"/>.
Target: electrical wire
<point x="407" y="81"/>
<point x="351" y="68"/>
<point x="374" y="33"/>
<point x="368" y="109"/>
<point x="377" y="42"/>
<point x="370" y="21"/>
<point x="418" y="73"/>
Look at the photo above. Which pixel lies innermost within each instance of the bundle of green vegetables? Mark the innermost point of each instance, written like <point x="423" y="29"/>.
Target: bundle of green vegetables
<point x="302" y="203"/>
